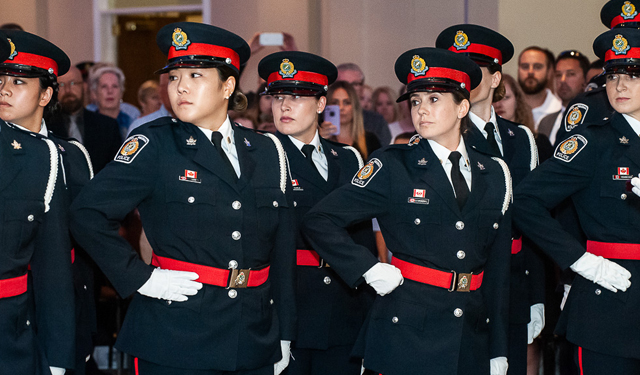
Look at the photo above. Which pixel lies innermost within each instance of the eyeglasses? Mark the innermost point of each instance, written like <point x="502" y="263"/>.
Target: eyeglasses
<point x="69" y="85"/>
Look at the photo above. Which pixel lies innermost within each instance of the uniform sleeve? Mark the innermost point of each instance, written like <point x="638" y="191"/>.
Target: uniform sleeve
<point x="100" y="207"/>
<point x="544" y="188"/>
<point x="53" y="284"/>
<point x="325" y="224"/>
<point x="496" y="287"/>
<point x="283" y="269"/>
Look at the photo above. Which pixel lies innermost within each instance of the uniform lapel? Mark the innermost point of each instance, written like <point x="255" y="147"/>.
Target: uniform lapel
<point x="508" y="141"/>
<point x="334" y="166"/>
<point x="478" y="182"/>
<point x="300" y="168"/>
<point x="10" y="156"/>
<point x="428" y="167"/>
<point x="475" y="139"/>
<point x="631" y="143"/>
<point x="244" y="148"/>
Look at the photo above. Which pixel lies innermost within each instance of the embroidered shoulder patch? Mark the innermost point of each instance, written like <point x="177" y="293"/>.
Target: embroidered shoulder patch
<point x="569" y="148"/>
<point x="575" y="116"/>
<point x="131" y="148"/>
<point x="366" y="173"/>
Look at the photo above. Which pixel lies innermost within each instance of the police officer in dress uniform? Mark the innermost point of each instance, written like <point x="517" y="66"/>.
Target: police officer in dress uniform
<point x="593" y="167"/>
<point x="36" y="317"/>
<point x="443" y="209"/>
<point x="515" y="144"/>
<point x="76" y="171"/>
<point x="330" y="313"/>
<point x="593" y="106"/>
<point x="211" y="197"/>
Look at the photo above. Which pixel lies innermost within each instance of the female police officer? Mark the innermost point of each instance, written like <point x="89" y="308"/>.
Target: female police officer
<point x="330" y="313"/>
<point x="443" y="210"/>
<point x="34" y="228"/>
<point x="593" y="167"/>
<point x="211" y="197"/>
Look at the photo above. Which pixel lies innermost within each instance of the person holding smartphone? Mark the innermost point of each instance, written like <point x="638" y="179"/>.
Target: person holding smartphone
<point x="330" y="313"/>
<point x="219" y="298"/>
<point x="443" y="209"/>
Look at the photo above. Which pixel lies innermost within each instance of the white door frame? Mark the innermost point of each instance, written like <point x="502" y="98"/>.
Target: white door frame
<point x="104" y="43"/>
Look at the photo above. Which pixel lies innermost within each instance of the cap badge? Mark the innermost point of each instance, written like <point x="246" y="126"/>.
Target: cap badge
<point x="180" y="39"/>
<point x="418" y="66"/>
<point x="13" y="50"/>
<point x="628" y="10"/>
<point x="461" y="40"/>
<point x="287" y="69"/>
<point x="620" y="45"/>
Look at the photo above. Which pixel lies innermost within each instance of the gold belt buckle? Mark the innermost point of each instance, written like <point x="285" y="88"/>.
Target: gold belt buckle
<point x="239" y="279"/>
<point x="464" y="282"/>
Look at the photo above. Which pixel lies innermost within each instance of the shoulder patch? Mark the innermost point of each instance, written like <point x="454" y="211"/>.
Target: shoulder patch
<point x="131" y="148"/>
<point x="366" y="173"/>
<point x="575" y="116"/>
<point x="415" y="140"/>
<point x="570" y="147"/>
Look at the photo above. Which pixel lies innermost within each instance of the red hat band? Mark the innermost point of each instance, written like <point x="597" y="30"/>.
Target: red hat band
<point x="194" y="49"/>
<point x="23" y="58"/>
<point x="438" y="72"/>
<point x="482" y="49"/>
<point x="311" y="77"/>
<point x="632" y="53"/>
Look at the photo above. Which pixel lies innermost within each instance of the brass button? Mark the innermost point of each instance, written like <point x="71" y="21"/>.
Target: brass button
<point x="394" y="319"/>
<point x="236" y="235"/>
<point x="598" y="291"/>
<point x="623" y="196"/>
<point x="28" y="323"/>
<point x="30" y="217"/>
<point x="271" y="302"/>
<point x="168" y="302"/>
<point x="461" y="254"/>
<point x="459" y="225"/>
<point x="295" y="204"/>
<point x="236" y="205"/>
<point x="233" y="264"/>
<point x="275" y="203"/>
<point x="495" y="226"/>
<point x="191" y="199"/>
<point x="487" y="320"/>
<point x="416" y="221"/>
<point x="457" y="312"/>
<point x="526" y="272"/>
<point x="327" y="280"/>
<point x="233" y="293"/>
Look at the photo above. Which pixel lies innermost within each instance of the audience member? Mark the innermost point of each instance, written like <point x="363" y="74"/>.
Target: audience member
<point x="149" y="97"/>
<point x="534" y="68"/>
<point x="107" y="86"/>
<point x="596" y="68"/>
<point x="265" y="115"/>
<point x="352" y="131"/>
<point x="127" y="108"/>
<point x="165" y="107"/>
<point x="365" y="99"/>
<point x="384" y="102"/>
<point x="570" y="72"/>
<point x="373" y="122"/>
<point x="513" y="106"/>
<point x="98" y="133"/>
<point x="11" y="26"/>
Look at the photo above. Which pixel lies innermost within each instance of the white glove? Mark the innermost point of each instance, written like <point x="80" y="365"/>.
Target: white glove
<point x="636" y="185"/>
<point x="383" y="277"/>
<point x="565" y="295"/>
<point x="57" y="370"/>
<point x="602" y="271"/>
<point x="279" y="366"/>
<point x="499" y="366"/>
<point x="171" y="285"/>
<point x="536" y="324"/>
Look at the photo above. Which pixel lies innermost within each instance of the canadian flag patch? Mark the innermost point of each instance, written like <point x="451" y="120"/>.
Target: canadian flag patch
<point x="294" y="182"/>
<point x="623" y="171"/>
<point x="190" y="174"/>
<point x="419" y="193"/>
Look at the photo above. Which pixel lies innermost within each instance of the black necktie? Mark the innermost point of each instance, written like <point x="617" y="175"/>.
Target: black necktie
<point x="457" y="179"/>
<point x="216" y="138"/>
<point x="491" y="138"/>
<point x="307" y="150"/>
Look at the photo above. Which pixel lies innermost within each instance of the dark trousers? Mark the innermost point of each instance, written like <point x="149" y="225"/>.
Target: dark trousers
<point x="143" y="367"/>
<point x="335" y="361"/>
<point x="517" y="358"/>
<point x="594" y="363"/>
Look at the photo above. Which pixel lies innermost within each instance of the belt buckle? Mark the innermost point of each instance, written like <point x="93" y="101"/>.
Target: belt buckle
<point x="238" y="279"/>
<point x="460" y="282"/>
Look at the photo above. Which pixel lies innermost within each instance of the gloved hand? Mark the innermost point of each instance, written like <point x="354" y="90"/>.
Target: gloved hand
<point x="171" y="285"/>
<point x="565" y="295"/>
<point x="279" y="366"/>
<point x="602" y="271"/>
<point x="57" y="370"/>
<point x="498" y="366"/>
<point x="383" y="277"/>
<point x="635" y="182"/>
<point x="536" y="324"/>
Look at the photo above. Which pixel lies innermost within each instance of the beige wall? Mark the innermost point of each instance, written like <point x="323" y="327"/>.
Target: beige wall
<point x="371" y="33"/>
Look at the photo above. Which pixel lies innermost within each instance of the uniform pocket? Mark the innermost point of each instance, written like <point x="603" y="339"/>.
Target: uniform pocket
<point x="21" y="220"/>
<point x="400" y="313"/>
<point x="268" y="202"/>
<point x="190" y="210"/>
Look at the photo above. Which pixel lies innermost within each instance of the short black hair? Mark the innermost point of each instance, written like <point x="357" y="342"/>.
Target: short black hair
<point x="551" y="60"/>
<point x="575" y="55"/>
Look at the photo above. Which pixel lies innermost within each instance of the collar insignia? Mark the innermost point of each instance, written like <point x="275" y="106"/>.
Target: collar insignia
<point x="191" y="141"/>
<point x="246" y="142"/>
<point x="480" y="166"/>
<point x="624" y="140"/>
<point x="16" y="145"/>
<point x="511" y="133"/>
<point x="422" y="161"/>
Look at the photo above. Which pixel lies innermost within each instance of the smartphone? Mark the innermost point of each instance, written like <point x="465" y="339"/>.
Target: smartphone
<point x="271" y="39"/>
<point x="332" y="114"/>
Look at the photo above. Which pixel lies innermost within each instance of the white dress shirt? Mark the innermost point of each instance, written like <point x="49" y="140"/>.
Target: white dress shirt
<point x="318" y="156"/>
<point x="443" y="154"/>
<point x="228" y="143"/>
<point x="480" y="124"/>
